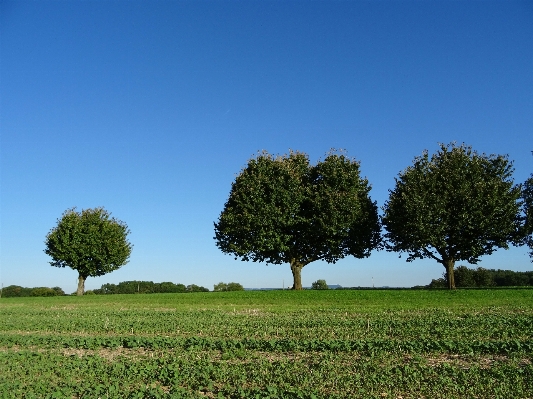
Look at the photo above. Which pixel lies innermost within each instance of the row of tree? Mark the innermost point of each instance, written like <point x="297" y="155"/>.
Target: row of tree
<point x="18" y="291"/>
<point x="456" y="205"/>
<point x="149" y="287"/>
<point x="124" y="287"/>
<point x="146" y="287"/>
<point x="480" y="277"/>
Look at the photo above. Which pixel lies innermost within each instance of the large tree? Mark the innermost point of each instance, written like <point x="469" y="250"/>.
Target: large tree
<point x="455" y="206"/>
<point x="90" y="241"/>
<point x="281" y="209"/>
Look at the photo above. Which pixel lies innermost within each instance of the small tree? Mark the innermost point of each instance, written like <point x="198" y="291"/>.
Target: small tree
<point x="458" y="205"/>
<point x="223" y="287"/>
<point x="220" y="287"/>
<point x="283" y="210"/>
<point x="90" y="242"/>
<point x="320" y="285"/>
<point x="235" y="287"/>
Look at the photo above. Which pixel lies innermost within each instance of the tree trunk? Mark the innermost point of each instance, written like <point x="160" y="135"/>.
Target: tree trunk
<point x="449" y="264"/>
<point x="81" y="285"/>
<point x="296" y="268"/>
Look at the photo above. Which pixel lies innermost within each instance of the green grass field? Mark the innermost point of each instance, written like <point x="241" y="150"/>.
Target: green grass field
<point x="270" y="344"/>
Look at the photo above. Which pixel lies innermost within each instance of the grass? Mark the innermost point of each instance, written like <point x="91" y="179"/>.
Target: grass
<point x="370" y="300"/>
<point x="270" y="344"/>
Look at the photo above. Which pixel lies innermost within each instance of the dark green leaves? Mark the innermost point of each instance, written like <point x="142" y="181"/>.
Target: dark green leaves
<point x="320" y="285"/>
<point x="90" y="241"/>
<point x="282" y="209"/>
<point x="458" y="205"/>
<point x="527" y="195"/>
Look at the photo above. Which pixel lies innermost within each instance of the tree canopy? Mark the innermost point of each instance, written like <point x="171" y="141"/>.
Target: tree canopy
<point x="281" y="209"/>
<point x="455" y="206"/>
<point x="223" y="287"/>
<point x="319" y="285"/>
<point x="18" y="291"/>
<point x="527" y="195"/>
<point x="90" y="241"/>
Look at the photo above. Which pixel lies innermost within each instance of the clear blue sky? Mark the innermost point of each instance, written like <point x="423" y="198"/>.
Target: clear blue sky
<point x="150" y="109"/>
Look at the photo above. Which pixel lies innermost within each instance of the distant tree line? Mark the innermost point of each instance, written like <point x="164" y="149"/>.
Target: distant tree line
<point x="125" y="287"/>
<point x="146" y="287"/>
<point x="480" y="277"/>
<point x="18" y="291"/>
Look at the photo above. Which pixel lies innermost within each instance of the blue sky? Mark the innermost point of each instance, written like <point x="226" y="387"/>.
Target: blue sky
<point x="150" y="109"/>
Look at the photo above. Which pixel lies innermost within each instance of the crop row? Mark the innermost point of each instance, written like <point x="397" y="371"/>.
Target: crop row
<point x="367" y="346"/>
<point x="254" y="345"/>
<point x="296" y="325"/>
<point x="182" y="375"/>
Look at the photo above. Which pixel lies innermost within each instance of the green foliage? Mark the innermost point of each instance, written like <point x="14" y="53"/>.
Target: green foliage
<point x="527" y="196"/>
<point x="284" y="210"/>
<point x="17" y="291"/>
<point x="196" y="288"/>
<point x="483" y="277"/>
<point x="90" y="242"/>
<point x="223" y="287"/>
<point x="140" y="287"/>
<point x="438" y="283"/>
<point x="464" y="277"/>
<point x="235" y="287"/>
<point x="319" y="285"/>
<point x="480" y="277"/>
<point x="510" y="278"/>
<point x="220" y="287"/>
<point x="59" y="291"/>
<point x="168" y="286"/>
<point x="456" y="205"/>
<point x="43" y="291"/>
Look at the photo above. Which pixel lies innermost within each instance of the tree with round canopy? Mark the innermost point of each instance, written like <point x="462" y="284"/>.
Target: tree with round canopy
<point x="282" y="209"/>
<point x="455" y="206"/>
<point x="90" y="242"/>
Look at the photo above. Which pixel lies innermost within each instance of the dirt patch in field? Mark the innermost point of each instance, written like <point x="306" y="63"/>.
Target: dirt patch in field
<point x="249" y="312"/>
<point x="467" y="362"/>
<point x="112" y="354"/>
<point x="66" y="307"/>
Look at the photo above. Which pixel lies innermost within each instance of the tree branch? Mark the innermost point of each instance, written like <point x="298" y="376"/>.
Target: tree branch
<point x="431" y="255"/>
